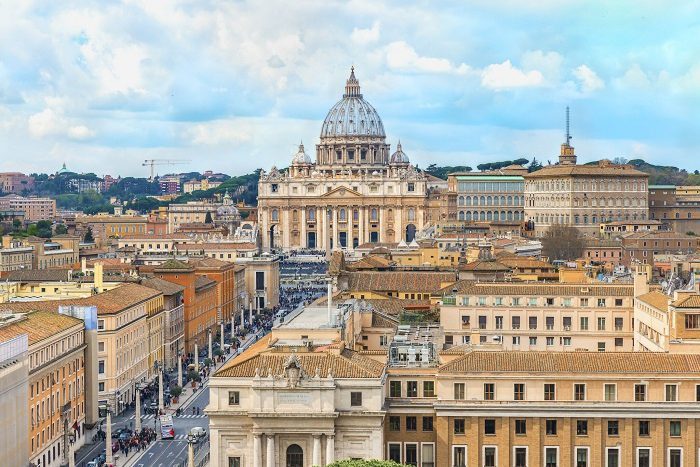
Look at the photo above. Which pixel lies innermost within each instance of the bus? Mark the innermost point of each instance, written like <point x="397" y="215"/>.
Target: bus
<point x="167" y="430"/>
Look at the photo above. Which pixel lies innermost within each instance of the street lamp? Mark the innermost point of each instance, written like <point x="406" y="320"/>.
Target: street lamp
<point x="209" y="336"/>
<point x="159" y="368"/>
<point x="137" y="424"/>
<point x="191" y="440"/>
<point x="179" y="369"/>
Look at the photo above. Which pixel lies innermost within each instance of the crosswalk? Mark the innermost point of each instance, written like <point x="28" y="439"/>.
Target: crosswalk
<point x="151" y="416"/>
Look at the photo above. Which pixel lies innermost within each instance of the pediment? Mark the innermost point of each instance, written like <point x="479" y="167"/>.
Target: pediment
<point x="341" y="192"/>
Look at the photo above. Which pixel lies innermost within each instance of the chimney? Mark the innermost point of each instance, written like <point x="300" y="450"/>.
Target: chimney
<point x="641" y="279"/>
<point x="98" y="277"/>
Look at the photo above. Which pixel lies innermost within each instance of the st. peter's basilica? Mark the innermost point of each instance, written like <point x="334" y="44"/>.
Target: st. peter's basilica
<point x="355" y="192"/>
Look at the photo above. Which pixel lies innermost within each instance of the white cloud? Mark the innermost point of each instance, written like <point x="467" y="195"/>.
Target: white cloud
<point x="547" y="63"/>
<point x="366" y="36"/>
<point x="590" y="81"/>
<point x="51" y="122"/>
<point x="219" y="132"/>
<point x="504" y="75"/>
<point x="401" y="56"/>
<point x="80" y="132"/>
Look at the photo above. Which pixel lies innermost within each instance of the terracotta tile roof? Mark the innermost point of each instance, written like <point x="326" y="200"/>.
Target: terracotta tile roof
<point x="206" y="262"/>
<point x="371" y="262"/>
<point x="202" y="282"/>
<point x="336" y="263"/>
<point x="691" y="301"/>
<point x="400" y="281"/>
<point x="656" y="299"/>
<point x="38" y="325"/>
<point x="107" y="303"/>
<point x="382" y="321"/>
<point x="520" y="262"/>
<point x="345" y="363"/>
<point x="38" y="275"/>
<point x="174" y="264"/>
<point x="539" y="289"/>
<point x="572" y="362"/>
<point x="583" y="170"/>
<point x="485" y="266"/>
<point x="167" y="287"/>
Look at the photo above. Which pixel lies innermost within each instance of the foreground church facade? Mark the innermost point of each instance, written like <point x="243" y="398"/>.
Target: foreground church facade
<point x="355" y="192"/>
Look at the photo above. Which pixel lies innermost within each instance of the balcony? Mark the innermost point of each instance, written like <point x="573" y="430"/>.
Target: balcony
<point x="449" y="300"/>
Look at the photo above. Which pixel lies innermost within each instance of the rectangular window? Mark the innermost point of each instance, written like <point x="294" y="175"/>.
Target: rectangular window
<point x="640" y="392"/>
<point x="427" y="423"/>
<point x="551" y="427"/>
<point x="428" y="388"/>
<point x="459" y="391"/>
<point x="644" y="428"/>
<point x="489" y="389"/>
<point x="613" y="428"/>
<point x="579" y="392"/>
<point x="601" y="346"/>
<point x="612" y="457"/>
<point x="584" y="323"/>
<point x="584" y="302"/>
<point x="516" y="340"/>
<point x="234" y="398"/>
<point x="581" y="427"/>
<point x="394" y="452"/>
<point x="459" y="456"/>
<point x="532" y="322"/>
<point x="610" y="392"/>
<point x="412" y="389"/>
<point x="619" y="342"/>
<point x="601" y="303"/>
<point x="643" y="457"/>
<point x="550" y="341"/>
<point x="533" y="340"/>
<point x="551" y="456"/>
<point x="675" y="457"/>
<point x="356" y="399"/>
<point x="259" y="280"/>
<point x="519" y="456"/>
<point x="395" y="389"/>
<point x="520" y="427"/>
<point x="674" y="428"/>
<point x="582" y="457"/>
<point x="515" y="321"/>
<point x="499" y="322"/>
<point x="411" y="424"/>
<point x="601" y="324"/>
<point x="671" y="393"/>
<point x="411" y="454"/>
<point x="518" y="391"/>
<point x="427" y="455"/>
<point x="550" y="391"/>
<point x="459" y="426"/>
<point x="482" y="322"/>
<point x="394" y="423"/>
<point x="489" y="426"/>
<point x="697" y="393"/>
<point x="101" y="367"/>
<point x="490" y="456"/>
<point x="549" y="323"/>
<point x="234" y="462"/>
<point x="619" y="324"/>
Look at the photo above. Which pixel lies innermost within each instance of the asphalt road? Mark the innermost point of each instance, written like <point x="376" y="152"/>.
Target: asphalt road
<point x="166" y="453"/>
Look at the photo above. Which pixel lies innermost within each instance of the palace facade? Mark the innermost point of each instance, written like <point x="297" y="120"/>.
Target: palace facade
<point x="356" y="192"/>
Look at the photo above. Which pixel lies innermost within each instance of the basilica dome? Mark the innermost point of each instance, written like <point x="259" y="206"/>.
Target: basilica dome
<point x="399" y="157"/>
<point x="301" y="157"/>
<point x="352" y="115"/>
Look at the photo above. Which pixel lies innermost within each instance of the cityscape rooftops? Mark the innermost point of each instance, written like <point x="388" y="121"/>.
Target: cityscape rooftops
<point x="37" y="325"/>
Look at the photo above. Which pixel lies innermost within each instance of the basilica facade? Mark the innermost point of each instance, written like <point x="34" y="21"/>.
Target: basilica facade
<point x="357" y="191"/>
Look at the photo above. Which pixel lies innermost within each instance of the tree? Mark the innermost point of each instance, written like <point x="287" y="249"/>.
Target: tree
<point x="534" y="165"/>
<point x="88" y="238"/>
<point x="61" y="229"/>
<point x="208" y="219"/>
<point x="562" y="242"/>
<point x="175" y="391"/>
<point x="365" y="463"/>
<point x="193" y="376"/>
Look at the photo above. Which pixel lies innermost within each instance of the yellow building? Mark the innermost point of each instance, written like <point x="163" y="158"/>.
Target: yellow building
<point x="56" y="380"/>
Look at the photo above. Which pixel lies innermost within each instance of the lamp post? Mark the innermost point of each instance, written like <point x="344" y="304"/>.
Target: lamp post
<point x="196" y="357"/>
<point x="159" y="369"/>
<point x="71" y="452"/>
<point x="191" y="439"/>
<point x="179" y="370"/>
<point x="137" y="422"/>
<point x="211" y="352"/>
<point x="108" y="439"/>
<point x="222" y="336"/>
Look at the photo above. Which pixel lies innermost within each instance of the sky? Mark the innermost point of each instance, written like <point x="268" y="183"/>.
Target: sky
<point x="235" y="85"/>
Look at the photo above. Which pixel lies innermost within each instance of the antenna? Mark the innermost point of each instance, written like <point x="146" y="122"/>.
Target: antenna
<point x="568" y="133"/>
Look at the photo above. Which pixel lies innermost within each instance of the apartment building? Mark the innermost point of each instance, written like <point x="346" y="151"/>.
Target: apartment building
<point x="676" y="206"/>
<point x="536" y="316"/>
<point x="15" y="182"/>
<point x="174" y="316"/>
<point x="223" y="273"/>
<point x="14" y="410"/>
<point x="14" y="255"/>
<point x="56" y="397"/>
<point x="105" y="227"/>
<point x="642" y="246"/>
<point x="35" y="209"/>
<point x="59" y="251"/>
<point x="187" y="213"/>
<point x="262" y="280"/>
<point x="487" y="196"/>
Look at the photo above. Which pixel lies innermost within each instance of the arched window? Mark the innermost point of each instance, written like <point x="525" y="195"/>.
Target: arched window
<point x="460" y="201"/>
<point x="411" y="215"/>
<point x="482" y="216"/>
<point x="275" y="215"/>
<point x="489" y="201"/>
<point x="342" y="215"/>
<point x="503" y="200"/>
<point x="468" y="217"/>
<point x="461" y="215"/>
<point x="468" y="200"/>
<point x="312" y="214"/>
<point x="295" y="456"/>
<point x="489" y="216"/>
<point x="355" y="215"/>
<point x="482" y="200"/>
<point x="295" y="215"/>
<point x="373" y="214"/>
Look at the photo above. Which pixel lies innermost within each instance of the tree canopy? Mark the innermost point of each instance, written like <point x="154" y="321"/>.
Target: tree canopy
<point x="562" y="242"/>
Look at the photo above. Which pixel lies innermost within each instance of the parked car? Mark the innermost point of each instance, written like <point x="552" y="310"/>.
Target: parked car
<point x="198" y="432"/>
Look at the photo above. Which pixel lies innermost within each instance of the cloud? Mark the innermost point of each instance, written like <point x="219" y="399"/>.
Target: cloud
<point x="403" y="57"/>
<point x="52" y="123"/>
<point x="366" y="36"/>
<point x="590" y="82"/>
<point x="547" y="63"/>
<point x="504" y="75"/>
<point x="80" y="132"/>
<point x="219" y="132"/>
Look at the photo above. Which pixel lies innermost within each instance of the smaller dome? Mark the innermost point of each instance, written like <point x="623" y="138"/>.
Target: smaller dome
<point x="227" y="210"/>
<point x="399" y="157"/>
<point x="301" y="157"/>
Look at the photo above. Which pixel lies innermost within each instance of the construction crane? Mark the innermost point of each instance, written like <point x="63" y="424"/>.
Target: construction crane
<point x="153" y="162"/>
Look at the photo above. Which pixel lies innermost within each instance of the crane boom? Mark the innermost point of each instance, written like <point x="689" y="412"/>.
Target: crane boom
<point x="153" y="162"/>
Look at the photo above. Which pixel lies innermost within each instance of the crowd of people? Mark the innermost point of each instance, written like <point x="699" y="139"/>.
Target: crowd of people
<point x="138" y="441"/>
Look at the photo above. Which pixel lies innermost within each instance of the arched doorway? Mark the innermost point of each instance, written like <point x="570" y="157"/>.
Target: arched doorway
<point x="410" y="232"/>
<point x="311" y="240"/>
<point x="295" y="456"/>
<point x="273" y="234"/>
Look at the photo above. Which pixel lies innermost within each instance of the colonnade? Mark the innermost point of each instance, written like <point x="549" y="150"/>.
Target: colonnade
<point x="271" y="455"/>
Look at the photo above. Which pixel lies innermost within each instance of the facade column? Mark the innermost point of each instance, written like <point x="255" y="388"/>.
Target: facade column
<point x="286" y="233"/>
<point x="380" y="211"/>
<point x="361" y="226"/>
<point x="265" y="231"/>
<point x="302" y="240"/>
<point x="351" y="223"/>
<point x="316" y="458"/>
<point x="398" y="224"/>
<point x="336" y="246"/>
<point x="257" y="450"/>
<point x="270" y="451"/>
<point x="321" y="231"/>
<point x="330" y="449"/>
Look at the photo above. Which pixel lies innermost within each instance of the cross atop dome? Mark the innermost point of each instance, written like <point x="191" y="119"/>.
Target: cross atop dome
<point x="352" y="86"/>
